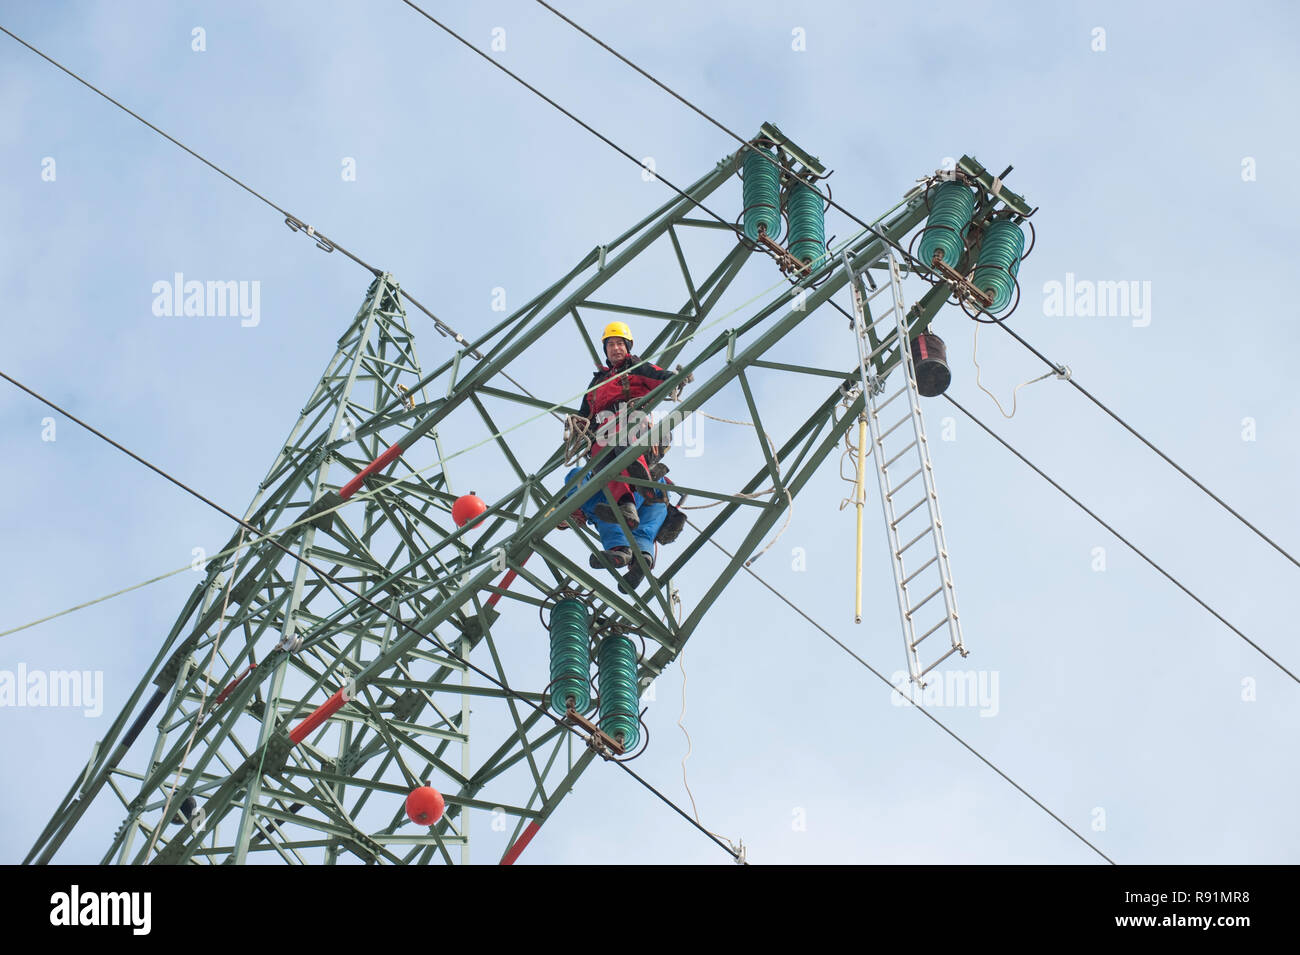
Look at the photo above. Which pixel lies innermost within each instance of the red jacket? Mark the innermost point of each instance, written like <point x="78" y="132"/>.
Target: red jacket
<point x="642" y="378"/>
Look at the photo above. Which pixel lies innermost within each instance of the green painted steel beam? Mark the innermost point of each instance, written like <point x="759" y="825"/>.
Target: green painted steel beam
<point x="394" y="542"/>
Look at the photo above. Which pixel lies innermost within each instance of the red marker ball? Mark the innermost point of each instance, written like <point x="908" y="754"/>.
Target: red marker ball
<point x="425" y="805"/>
<point x="466" y="508"/>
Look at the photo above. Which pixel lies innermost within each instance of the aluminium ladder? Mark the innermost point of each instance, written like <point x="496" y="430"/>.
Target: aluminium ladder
<point x="912" y="521"/>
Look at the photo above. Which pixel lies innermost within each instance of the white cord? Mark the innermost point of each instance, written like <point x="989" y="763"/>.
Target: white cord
<point x="736" y="850"/>
<point x="850" y="454"/>
<point x="1064" y="375"/>
<point x="776" y="460"/>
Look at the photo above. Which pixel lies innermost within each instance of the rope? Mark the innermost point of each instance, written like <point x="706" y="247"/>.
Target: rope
<point x="1063" y="374"/>
<point x="776" y="460"/>
<point x="681" y="662"/>
<point x="789" y="516"/>
<point x="577" y="438"/>
<point x="851" y="454"/>
<point x="753" y="494"/>
<point x="736" y="849"/>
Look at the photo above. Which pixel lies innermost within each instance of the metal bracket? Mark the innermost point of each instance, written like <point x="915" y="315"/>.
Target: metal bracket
<point x="597" y="739"/>
<point x="296" y="225"/>
<point x="291" y="642"/>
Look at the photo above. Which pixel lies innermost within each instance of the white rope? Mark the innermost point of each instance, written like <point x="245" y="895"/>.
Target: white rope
<point x="1063" y="374"/>
<point x="681" y="662"/>
<point x="577" y="440"/>
<point x="850" y="454"/>
<point x="735" y="849"/>
<point x="789" y="516"/>
<point x="776" y="460"/>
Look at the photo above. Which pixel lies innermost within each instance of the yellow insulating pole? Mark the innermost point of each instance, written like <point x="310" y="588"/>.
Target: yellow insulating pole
<point x="861" y="498"/>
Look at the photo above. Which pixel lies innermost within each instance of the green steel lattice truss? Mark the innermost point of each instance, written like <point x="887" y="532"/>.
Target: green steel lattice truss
<point x="339" y="795"/>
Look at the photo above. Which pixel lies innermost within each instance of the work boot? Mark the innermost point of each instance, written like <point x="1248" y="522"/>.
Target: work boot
<point x="633" y="577"/>
<point x="627" y="506"/>
<point x="618" y="556"/>
<point x="637" y="470"/>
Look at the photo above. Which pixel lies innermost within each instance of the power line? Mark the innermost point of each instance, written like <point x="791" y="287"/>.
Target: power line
<point x="1124" y="539"/>
<point x="926" y="713"/>
<point x="543" y="710"/>
<point x="1053" y="365"/>
<point x="312" y="232"/>
<point x="591" y="129"/>
<point x="241" y="184"/>
<point x="835" y="205"/>
<point x="461" y="339"/>
<point x="396" y="484"/>
<point x="1121" y="537"/>
<point x="623" y="152"/>
<point x="323" y="241"/>
<point x="745" y="144"/>
<point x="1168" y="460"/>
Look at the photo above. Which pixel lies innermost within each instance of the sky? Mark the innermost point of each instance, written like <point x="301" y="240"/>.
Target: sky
<point x="1154" y="149"/>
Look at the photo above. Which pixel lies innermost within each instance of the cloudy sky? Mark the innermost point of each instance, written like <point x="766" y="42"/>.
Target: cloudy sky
<point x="1153" y="146"/>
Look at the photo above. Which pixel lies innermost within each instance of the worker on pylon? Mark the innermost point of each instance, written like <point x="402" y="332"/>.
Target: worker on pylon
<point x="652" y="510"/>
<point x="605" y="407"/>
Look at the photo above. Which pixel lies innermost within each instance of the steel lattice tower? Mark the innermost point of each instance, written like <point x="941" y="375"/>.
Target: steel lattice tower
<point x="361" y="491"/>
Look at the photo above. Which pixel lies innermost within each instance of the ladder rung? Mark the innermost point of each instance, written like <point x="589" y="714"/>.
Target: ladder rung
<point x="881" y="407"/>
<point x="898" y="520"/>
<point x="878" y="349"/>
<point x="928" y="632"/>
<point x="928" y="598"/>
<point x="937" y="662"/>
<point x="901" y="422"/>
<point x="892" y="491"/>
<point x="922" y="567"/>
<point x="883" y="315"/>
<point x="898" y="455"/>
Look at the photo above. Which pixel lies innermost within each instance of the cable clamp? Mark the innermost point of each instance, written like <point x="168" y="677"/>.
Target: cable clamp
<point x="322" y="243"/>
<point x="297" y="225"/>
<point x="1063" y="373"/>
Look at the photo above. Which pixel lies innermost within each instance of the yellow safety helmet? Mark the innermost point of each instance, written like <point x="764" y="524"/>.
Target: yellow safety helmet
<point x="617" y="330"/>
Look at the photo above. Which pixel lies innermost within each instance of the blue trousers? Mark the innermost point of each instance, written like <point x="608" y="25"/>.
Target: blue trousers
<point x="651" y="514"/>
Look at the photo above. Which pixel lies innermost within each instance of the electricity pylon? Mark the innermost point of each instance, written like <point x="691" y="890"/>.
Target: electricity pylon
<point x="327" y="663"/>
